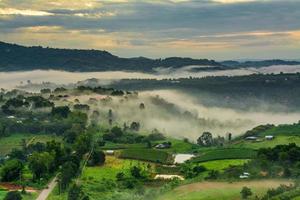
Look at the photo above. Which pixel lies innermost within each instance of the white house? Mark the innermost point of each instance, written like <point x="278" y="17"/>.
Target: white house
<point x="269" y="137"/>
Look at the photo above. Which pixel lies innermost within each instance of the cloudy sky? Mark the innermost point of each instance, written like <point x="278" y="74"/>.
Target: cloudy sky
<point x="215" y="29"/>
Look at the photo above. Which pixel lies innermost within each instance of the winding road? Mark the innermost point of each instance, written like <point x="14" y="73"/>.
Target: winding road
<point x="46" y="192"/>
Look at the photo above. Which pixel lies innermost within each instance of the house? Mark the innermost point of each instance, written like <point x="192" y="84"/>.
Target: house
<point x="269" y="137"/>
<point x="244" y="175"/>
<point x="11" y="117"/>
<point x="251" y="138"/>
<point x="109" y="152"/>
<point x="164" y="145"/>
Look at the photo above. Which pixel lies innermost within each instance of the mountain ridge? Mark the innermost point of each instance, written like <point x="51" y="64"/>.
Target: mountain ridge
<point x="14" y="57"/>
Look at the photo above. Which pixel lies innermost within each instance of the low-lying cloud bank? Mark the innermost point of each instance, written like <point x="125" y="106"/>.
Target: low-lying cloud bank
<point x="12" y="79"/>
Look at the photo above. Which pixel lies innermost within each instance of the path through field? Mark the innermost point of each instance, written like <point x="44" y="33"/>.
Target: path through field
<point x="46" y="192"/>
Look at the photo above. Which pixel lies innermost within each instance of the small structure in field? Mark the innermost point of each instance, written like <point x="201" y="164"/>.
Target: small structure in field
<point x="245" y="175"/>
<point x="110" y="152"/>
<point x="168" y="177"/>
<point x="164" y="145"/>
<point x="269" y="137"/>
<point x="252" y="138"/>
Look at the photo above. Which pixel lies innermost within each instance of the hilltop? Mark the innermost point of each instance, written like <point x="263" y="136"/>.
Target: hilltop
<point x="15" y="57"/>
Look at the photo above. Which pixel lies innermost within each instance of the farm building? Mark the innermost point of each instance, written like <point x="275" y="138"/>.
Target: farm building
<point x="269" y="137"/>
<point x="251" y="138"/>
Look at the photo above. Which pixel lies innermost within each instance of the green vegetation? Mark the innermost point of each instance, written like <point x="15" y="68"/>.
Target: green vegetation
<point x="15" y="141"/>
<point x="220" y="190"/>
<point x="223" y="164"/>
<point x="225" y="153"/>
<point x="280" y="139"/>
<point x="147" y="155"/>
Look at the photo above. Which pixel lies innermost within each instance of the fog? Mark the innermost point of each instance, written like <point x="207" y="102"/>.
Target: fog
<point x="181" y="115"/>
<point x="186" y="116"/>
<point x="10" y="80"/>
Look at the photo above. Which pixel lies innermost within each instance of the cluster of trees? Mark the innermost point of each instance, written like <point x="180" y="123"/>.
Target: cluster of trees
<point x="101" y="90"/>
<point x="61" y="121"/>
<point x="132" y="180"/>
<point x="207" y="140"/>
<point x="12" y="104"/>
<point x="190" y="170"/>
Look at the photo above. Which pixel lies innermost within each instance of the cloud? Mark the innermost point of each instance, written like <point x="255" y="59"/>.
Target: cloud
<point x="12" y="11"/>
<point x="217" y="25"/>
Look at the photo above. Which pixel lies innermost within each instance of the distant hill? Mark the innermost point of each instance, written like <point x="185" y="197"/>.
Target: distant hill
<point x="257" y="64"/>
<point x="16" y="58"/>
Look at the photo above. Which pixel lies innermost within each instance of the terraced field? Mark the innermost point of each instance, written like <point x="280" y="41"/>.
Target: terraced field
<point x="147" y="155"/>
<point x="226" y="153"/>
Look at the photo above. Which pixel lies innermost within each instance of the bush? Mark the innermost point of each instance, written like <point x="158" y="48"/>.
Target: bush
<point x="13" y="195"/>
<point x="11" y="170"/>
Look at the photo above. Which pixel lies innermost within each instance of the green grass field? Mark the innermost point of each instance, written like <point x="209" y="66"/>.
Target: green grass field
<point x="226" y="153"/>
<point x="285" y="129"/>
<point x="14" y="141"/>
<point x="223" y="164"/>
<point x="2" y="194"/>
<point x="268" y="143"/>
<point x="220" y="190"/>
<point x="113" y="146"/>
<point x="179" y="146"/>
<point x="147" y="155"/>
<point x="29" y="196"/>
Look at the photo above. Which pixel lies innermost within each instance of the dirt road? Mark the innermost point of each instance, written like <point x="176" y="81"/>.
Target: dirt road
<point x="46" y="192"/>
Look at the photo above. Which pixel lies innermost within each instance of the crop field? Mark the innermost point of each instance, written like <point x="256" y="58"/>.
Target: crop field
<point x="220" y="190"/>
<point x="14" y="141"/>
<point x="227" y="153"/>
<point x="268" y="143"/>
<point x="179" y="146"/>
<point x="110" y="169"/>
<point x="113" y="146"/>
<point x="223" y="164"/>
<point x="147" y="155"/>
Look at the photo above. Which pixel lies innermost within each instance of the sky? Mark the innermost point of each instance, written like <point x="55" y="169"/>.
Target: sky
<point x="214" y="29"/>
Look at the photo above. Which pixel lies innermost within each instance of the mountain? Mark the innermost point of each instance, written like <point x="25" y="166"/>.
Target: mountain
<point x="257" y="64"/>
<point x="15" y="57"/>
<point x="18" y="58"/>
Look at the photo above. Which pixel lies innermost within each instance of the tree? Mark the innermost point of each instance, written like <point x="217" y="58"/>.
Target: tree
<point x="40" y="164"/>
<point x="83" y="144"/>
<point x="71" y="134"/>
<point x="97" y="158"/>
<point x="205" y="139"/>
<point x="136" y="172"/>
<point x="13" y="195"/>
<point x="12" y="170"/>
<point x="76" y="193"/>
<point x="246" y="192"/>
<point x="135" y="126"/>
<point x="17" y="154"/>
<point x="142" y="106"/>
<point x="61" y="111"/>
<point x="68" y="171"/>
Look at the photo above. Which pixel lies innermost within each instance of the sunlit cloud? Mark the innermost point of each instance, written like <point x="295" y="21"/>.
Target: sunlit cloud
<point x="12" y="11"/>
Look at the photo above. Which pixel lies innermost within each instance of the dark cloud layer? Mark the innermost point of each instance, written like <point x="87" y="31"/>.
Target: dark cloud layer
<point x="167" y="21"/>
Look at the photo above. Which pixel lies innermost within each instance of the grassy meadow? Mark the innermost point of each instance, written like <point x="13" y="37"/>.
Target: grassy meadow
<point x="220" y="190"/>
<point x="14" y="141"/>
